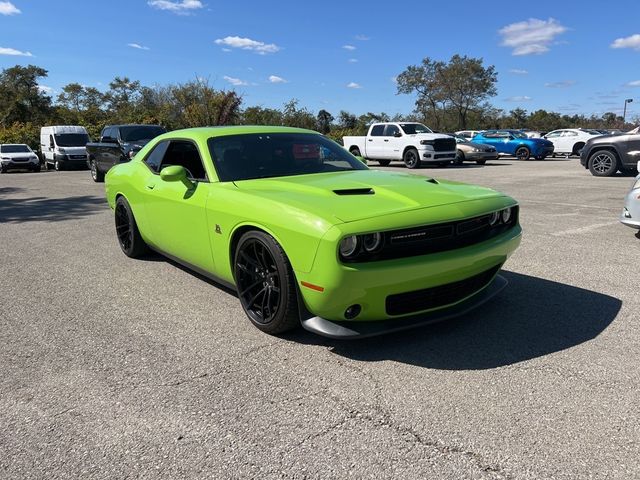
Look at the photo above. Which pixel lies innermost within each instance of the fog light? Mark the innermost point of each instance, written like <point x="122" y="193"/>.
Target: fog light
<point x="352" y="312"/>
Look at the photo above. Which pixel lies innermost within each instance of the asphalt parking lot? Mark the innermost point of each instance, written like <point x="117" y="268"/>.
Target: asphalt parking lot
<point x="114" y="368"/>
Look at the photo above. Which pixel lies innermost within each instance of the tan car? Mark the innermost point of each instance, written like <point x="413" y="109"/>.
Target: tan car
<point x="473" y="152"/>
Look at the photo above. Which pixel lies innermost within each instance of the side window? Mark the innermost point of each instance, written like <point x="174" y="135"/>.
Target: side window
<point x="51" y="142"/>
<point x="185" y="154"/>
<point x="154" y="158"/>
<point x="391" y="130"/>
<point x="569" y="133"/>
<point x="377" y="131"/>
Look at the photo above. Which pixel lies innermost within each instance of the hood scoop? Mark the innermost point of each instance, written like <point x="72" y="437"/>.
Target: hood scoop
<point x="432" y="180"/>
<point x="355" y="191"/>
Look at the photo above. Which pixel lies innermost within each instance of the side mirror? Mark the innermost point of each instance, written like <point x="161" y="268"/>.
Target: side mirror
<point x="397" y="134"/>
<point x="176" y="173"/>
<point x="362" y="159"/>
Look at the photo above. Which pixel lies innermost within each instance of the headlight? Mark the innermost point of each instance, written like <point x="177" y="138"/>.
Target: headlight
<point x="506" y="214"/>
<point x="372" y="242"/>
<point x="348" y="246"/>
<point x="5" y="158"/>
<point x="495" y="218"/>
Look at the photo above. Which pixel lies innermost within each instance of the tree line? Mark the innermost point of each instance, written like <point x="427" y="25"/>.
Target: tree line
<point x="450" y="96"/>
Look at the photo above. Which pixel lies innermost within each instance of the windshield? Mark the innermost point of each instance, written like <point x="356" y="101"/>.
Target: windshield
<point x="72" y="139"/>
<point x="265" y="155"/>
<point x="413" y="128"/>
<point x="15" y="149"/>
<point x="461" y="139"/>
<point x="135" y="134"/>
<point x="519" y="134"/>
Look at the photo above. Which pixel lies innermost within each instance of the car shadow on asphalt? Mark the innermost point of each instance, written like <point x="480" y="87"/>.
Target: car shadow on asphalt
<point x="44" y="209"/>
<point x="531" y="318"/>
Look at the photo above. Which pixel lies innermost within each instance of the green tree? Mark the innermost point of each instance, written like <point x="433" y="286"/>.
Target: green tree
<point x="21" y="98"/>
<point x="519" y="117"/>
<point x="324" y="120"/>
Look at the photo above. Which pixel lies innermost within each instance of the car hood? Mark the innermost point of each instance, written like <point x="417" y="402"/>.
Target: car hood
<point x="428" y="136"/>
<point x="19" y="155"/>
<point x="361" y="194"/>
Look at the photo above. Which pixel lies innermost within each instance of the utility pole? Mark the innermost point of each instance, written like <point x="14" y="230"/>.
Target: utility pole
<point x="624" y="114"/>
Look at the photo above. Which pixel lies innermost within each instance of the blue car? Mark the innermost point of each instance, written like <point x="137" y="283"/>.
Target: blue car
<point x="515" y="142"/>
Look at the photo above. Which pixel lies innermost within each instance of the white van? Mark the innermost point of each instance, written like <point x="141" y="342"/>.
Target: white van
<point x="64" y="146"/>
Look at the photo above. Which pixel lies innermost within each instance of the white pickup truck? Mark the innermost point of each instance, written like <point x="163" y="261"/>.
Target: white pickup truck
<point x="412" y="143"/>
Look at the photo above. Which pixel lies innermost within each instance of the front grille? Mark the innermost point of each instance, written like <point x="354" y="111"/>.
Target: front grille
<point x="444" y="144"/>
<point x="20" y="159"/>
<point x="434" y="297"/>
<point x="77" y="157"/>
<point x="443" y="155"/>
<point x="441" y="237"/>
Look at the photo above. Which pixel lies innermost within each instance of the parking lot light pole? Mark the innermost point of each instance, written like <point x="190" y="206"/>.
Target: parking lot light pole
<point x="624" y="114"/>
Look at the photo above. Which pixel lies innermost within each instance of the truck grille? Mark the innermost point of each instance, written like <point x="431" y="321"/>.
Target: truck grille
<point x="444" y="144"/>
<point x="440" y="296"/>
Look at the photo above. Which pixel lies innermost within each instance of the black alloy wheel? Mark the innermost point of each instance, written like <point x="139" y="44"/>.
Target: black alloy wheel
<point x="603" y="164"/>
<point x="411" y="158"/>
<point x="523" y="153"/>
<point x="129" y="237"/>
<point x="265" y="283"/>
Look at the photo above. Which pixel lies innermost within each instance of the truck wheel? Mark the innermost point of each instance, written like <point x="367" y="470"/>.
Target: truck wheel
<point x="384" y="163"/>
<point x="523" y="153"/>
<point x="96" y="174"/>
<point x="411" y="158"/>
<point x="603" y="164"/>
<point x="355" y="151"/>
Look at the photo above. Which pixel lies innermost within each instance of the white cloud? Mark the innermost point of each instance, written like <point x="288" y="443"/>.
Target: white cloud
<point x="353" y="60"/>
<point x="627" y="42"/>
<point x="45" y="89"/>
<point x="183" y="7"/>
<point x="235" y="81"/>
<point x="562" y="84"/>
<point x="138" y="46"/>
<point x="244" y="43"/>
<point x="354" y="85"/>
<point x="635" y="83"/>
<point x="349" y="47"/>
<point x="519" y="71"/>
<point x="276" y="79"/>
<point x="531" y="37"/>
<point x="518" y="98"/>
<point x="362" y="38"/>
<point x="14" y="52"/>
<point x="8" y="8"/>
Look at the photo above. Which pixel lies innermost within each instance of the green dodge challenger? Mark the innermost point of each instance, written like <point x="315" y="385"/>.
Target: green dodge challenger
<point x="306" y="234"/>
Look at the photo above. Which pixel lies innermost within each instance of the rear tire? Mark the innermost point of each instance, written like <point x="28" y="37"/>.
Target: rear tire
<point x="266" y="284"/>
<point x="96" y="174"/>
<point x="411" y="158"/>
<point x="127" y="232"/>
<point x="603" y="163"/>
<point x="577" y="148"/>
<point x="384" y="163"/>
<point x="459" y="158"/>
<point x="355" y="151"/>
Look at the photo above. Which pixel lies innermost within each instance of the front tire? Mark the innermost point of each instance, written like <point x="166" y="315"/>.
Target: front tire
<point x="96" y="174"/>
<point x="129" y="237"/>
<point x="411" y="158"/>
<point x="266" y="283"/>
<point x="459" y="158"/>
<point x="58" y="166"/>
<point x="603" y="164"/>
<point x="523" y="153"/>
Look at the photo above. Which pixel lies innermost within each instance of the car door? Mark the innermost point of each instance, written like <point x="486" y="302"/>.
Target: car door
<point x="555" y="138"/>
<point x="175" y="212"/>
<point x="498" y="140"/>
<point x="392" y="143"/>
<point x="375" y="142"/>
<point x="567" y="140"/>
<point x="102" y="157"/>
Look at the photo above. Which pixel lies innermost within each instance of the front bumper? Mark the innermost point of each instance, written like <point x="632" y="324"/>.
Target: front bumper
<point x="544" y="152"/>
<point x="23" y="165"/>
<point x="475" y="156"/>
<point x="427" y="155"/>
<point x="368" y="284"/>
<point x="346" y="330"/>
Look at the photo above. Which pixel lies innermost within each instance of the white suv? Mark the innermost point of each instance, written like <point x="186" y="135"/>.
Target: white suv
<point x="570" y="141"/>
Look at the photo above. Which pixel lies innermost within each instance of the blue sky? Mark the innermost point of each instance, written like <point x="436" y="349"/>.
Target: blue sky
<point x="569" y="56"/>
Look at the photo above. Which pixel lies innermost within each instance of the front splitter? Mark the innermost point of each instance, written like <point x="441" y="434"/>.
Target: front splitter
<point x="354" y="330"/>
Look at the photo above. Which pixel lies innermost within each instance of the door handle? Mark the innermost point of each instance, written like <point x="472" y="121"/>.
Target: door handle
<point x="370" y="140"/>
<point x="386" y="140"/>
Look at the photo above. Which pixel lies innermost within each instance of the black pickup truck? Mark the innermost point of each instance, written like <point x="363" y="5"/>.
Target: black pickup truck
<point x="605" y="155"/>
<point x="118" y="143"/>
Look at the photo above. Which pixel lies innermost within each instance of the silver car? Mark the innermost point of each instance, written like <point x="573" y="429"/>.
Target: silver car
<point x="631" y="211"/>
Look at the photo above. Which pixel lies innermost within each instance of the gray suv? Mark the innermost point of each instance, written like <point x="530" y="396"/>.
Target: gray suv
<point x="605" y="155"/>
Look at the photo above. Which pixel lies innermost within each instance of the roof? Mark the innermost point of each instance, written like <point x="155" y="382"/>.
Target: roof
<point x="204" y="133"/>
